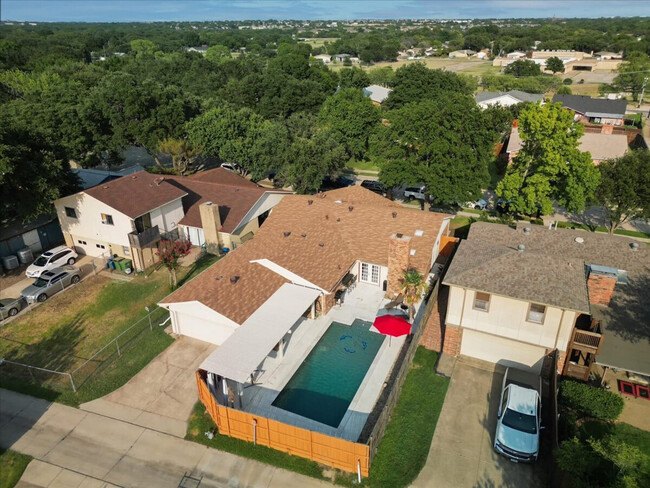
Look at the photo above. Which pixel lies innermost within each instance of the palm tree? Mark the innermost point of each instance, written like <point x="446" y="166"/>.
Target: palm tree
<point x="413" y="287"/>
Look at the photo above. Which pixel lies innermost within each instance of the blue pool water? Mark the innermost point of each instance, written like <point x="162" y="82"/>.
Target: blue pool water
<point x="330" y="376"/>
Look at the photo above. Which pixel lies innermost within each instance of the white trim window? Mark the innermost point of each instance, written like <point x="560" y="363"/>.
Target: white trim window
<point x="370" y="273"/>
<point x="536" y="313"/>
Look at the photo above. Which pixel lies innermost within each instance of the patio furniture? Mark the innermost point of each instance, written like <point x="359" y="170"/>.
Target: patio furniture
<point x="349" y="281"/>
<point x="392" y="326"/>
<point x="339" y="297"/>
<point x="394" y="303"/>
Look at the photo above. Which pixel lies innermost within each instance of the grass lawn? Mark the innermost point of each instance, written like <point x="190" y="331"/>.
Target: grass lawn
<point x="401" y="454"/>
<point x="12" y="466"/>
<point x="363" y="165"/>
<point x="69" y="328"/>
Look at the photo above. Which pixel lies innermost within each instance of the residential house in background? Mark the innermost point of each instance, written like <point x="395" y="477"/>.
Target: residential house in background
<point x="601" y="145"/>
<point x="127" y="216"/>
<point x="517" y="294"/>
<point x="341" y="57"/>
<point x="594" y="110"/>
<point x="89" y="177"/>
<point x="325" y="58"/>
<point x="462" y="54"/>
<point x="506" y="99"/>
<point x="377" y="94"/>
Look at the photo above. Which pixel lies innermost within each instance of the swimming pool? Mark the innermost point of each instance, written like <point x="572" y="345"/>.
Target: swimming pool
<point x="330" y="376"/>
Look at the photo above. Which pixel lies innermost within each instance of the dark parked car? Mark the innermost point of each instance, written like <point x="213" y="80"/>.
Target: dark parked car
<point x="330" y="183"/>
<point x="374" y="186"/>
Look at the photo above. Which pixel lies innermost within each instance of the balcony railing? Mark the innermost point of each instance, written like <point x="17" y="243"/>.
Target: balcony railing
<point x="144" y="238"/>
<point x="587" y="341"/>
<point x="578" y="371"/>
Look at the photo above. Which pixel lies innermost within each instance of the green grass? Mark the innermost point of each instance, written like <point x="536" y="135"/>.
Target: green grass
<point x="68" y="329"/>
<point x="401" y="453"/>
<point x="362" y="165"/>
<point x="12" y="466"/>
<point x="405" y="446"/>
<point x="472" y="210"/>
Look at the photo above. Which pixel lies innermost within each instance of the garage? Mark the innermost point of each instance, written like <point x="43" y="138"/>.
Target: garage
<point x="505" y="352"/>
<point x="195" y="320"/>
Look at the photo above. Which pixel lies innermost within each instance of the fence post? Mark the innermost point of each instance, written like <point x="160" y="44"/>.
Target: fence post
<point x="74" y="388"/>
<point x="118" y="347"/>
<point x="150" y="324"/>
<point x="31" y="374"/>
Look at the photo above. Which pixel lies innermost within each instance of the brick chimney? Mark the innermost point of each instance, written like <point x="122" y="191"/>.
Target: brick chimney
<point x="211" y="223"/>
<point x="607" y="129"/>
<point x="601" y="289"/>
<point x="399" y="248"/>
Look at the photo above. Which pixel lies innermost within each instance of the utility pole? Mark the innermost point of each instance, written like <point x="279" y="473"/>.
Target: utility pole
<point x="645" y="80"/>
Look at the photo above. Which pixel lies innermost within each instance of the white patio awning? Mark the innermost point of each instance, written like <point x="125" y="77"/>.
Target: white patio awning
<point x="246" y="348"/>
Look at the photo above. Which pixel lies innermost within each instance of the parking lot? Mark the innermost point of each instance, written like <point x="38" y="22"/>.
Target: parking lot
<point x="461" y="453"/>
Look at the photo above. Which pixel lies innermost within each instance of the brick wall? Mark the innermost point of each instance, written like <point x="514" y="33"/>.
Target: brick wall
<point x="601" y="289"/>
<point x="452" y="340"/>
<point x="434" y="329"/>
<point x="399" y="247"/>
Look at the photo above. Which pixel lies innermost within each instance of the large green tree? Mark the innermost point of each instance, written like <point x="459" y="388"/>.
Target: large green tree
<point x="218" y="53"/>
<point x="554" y="64"/>
<point x="33" y="172"/>
<point x="523" y="67"/>
<point x="445" y="143"/>
<point x="352" y="118"/>
<point x="550" y="166"/>
<point x="632" y="72"/>
<point x="353" y="78"/>
<point x="624" y="189"/>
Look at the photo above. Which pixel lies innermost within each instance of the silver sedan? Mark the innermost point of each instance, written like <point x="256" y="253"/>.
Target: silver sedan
<point x="51" y="282"/>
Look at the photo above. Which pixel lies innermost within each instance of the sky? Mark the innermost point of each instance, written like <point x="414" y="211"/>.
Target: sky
<point x="198" y="10"/>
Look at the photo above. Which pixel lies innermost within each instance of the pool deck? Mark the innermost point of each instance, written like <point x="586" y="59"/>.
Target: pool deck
<point x="362" y="303"/>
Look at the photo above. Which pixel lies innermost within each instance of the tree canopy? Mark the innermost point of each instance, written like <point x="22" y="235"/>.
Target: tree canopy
<point x="554" y="64"/>
<point x="549" y="167"/>
<point x="522" y="67"/>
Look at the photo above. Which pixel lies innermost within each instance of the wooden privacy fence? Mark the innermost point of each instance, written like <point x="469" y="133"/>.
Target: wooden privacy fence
<point x="331" y="451"/>
<point x="448" y="245"/>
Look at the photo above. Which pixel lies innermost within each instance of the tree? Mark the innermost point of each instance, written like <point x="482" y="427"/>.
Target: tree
<point x="444" y="143"/>
<point x="352" y="117"/>
<point x="180" y="151"/>
<point x="217" y="54"/>
<point x="33" y="172"/>
<point x="554" y="64"/>
<point x="523" y="67"/>
<point x="353" y="78"/>
<point x="143" y="48"/>
<point x="632" y="72"/>
<point x="170" y="252"/>
<point x="413" y="287"/>
<point x="415" y="82"/>
<point x="549" y="166"/>
<point x="624" y="189"/>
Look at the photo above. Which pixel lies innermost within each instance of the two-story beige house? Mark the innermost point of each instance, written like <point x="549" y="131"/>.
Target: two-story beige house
<point x="517" y="294"/>
<point x="127" y="216"/>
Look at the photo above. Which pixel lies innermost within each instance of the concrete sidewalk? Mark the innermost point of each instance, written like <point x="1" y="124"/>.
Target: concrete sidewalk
<point x="77" y="448"/>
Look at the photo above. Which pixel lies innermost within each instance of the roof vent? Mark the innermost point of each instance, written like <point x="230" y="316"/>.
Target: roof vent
<point x="208" y="203"/>
<point x="399" y="236"/>
<point x="350" y="208"/>
<point x="286" y="233"/>
<point x="521" y="248"/>
<point x="394" y="215"/>
<point x="105" y="187"/>
<point x="634" y="246"/>
<point x="134" y="177"/>
<point x="158" y="180"/>
<point x="419" y="233"/>
<point x="527" y="231"/>
<point x="310" y="202"/>
<point x="321" y="244"/>
<point x="338" y="219"/>
<point x="412" y="252"/>
<point x="304" y="234"/>
<point x="327" y="217"/>
<point x="218" y="278"/>
<point x="579" y="240"/>
<point x="234" y="279"/>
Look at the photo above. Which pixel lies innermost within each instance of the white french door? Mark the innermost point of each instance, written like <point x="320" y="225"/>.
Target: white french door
<point x="370" y="273"/>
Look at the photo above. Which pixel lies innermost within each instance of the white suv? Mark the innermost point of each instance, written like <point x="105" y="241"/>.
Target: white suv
<point x="414" y="193"/>
<point x="53" y="258"/>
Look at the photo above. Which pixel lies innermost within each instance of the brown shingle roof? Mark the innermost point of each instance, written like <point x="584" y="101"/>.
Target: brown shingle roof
<point x="223" y="177"/>
<point x="234" y="201"/>
<point x="136" y="194"/>
<point x="325" y="239"/>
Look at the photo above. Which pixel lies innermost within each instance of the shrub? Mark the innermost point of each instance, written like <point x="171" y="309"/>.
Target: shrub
<point x="591" y="401"/>
<point x="567" y="81"/>
<point x="537" y="221"/>
<point x="582" y="80"/>
<point x="564" y="90"/>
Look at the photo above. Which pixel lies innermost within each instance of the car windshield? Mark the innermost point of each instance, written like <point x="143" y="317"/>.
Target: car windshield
<point x="40" y="261"/>
<point x="40" y="283"/>
<point x="520" y="421"/>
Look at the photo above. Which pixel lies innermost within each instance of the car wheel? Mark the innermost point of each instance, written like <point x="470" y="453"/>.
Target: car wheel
<point x="12" y="312"/>
<point x="41" y="298"/>
<point x="75" y="279"/>
<point x="411" y="198"/>
<point x="71" y="261"/>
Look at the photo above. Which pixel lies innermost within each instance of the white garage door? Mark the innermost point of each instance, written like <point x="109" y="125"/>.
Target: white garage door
<point x="202" y="329"/>
<point x="503" y="351"/>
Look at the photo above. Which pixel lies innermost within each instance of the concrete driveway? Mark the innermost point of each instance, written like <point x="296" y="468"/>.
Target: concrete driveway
<point x="461" y="453"/>
<point x="162" y="395"/>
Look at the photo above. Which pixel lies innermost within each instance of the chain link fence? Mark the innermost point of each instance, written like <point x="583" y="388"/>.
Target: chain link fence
<point x="78" y="374"/>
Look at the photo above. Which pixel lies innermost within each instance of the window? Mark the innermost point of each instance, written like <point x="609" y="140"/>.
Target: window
<point x="126" y="251"/>
<point x="370" y="273"/>
<point x="82" y="242"/>
<point x="481" y="301"/>
<point x="70" y="212"/>
<point x="536" y="313"/>
<point x="364" y="271"/>
<point x="107" y="219"/>
<point x="100" y="246"/>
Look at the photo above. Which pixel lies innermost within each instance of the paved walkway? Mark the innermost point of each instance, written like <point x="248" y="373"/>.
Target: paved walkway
<point x="162" y="395"/>
<point x="75" y="448"/>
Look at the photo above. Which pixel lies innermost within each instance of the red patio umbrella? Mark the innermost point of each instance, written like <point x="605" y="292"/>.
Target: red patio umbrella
<point x="392" y="326"/>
